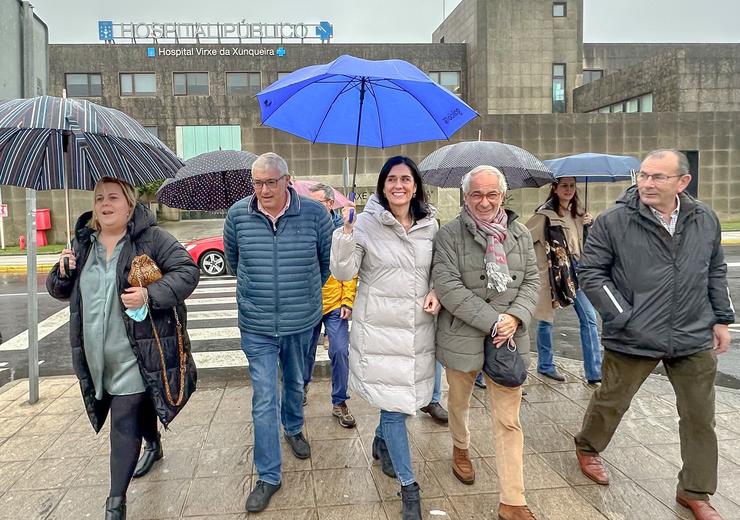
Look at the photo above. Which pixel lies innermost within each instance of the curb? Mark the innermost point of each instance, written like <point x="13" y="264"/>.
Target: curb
<point x="20" y="269"/>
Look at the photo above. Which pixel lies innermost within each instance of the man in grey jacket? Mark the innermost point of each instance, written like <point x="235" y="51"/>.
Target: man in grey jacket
<point x="654" y="268"/>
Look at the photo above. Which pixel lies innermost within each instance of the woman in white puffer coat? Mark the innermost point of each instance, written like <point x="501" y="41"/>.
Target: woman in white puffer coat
<point x="392" y="353"/>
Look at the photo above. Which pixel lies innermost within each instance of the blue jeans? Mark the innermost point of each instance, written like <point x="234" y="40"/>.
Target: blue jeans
<point x="392" y="429"/>
<point x="437" y="395"/>
<point x="338" y="331"/>
<point x="264" y="353"/>
<point x="590" y="342"/>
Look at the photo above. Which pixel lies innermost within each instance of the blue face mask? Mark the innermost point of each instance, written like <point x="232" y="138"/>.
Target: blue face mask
<point x="139" y="314"/>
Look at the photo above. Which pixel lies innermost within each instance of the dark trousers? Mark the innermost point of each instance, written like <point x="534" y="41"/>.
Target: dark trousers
<point x="132" y="417"/>
<point x="692" y="378"/>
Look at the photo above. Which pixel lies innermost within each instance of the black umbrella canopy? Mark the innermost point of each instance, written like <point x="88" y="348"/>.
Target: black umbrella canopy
<point x="446" y="166"/>
<point x="211" y="181"/>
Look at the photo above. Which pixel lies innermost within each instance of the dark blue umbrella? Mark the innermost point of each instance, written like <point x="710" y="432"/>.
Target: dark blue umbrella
<point x="211" y="181"/>
<point x="49" y="143"/>
<point x="363" y="103"/>
<point x="594" y="167"/>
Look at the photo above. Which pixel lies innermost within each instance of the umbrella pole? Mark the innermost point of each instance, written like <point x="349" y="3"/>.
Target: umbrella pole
<point x="65" y="179"/>
<point x="585" y="202"/>
<point x="357" y="148"/>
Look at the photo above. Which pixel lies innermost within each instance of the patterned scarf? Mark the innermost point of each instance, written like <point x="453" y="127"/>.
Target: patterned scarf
<point x="497" y="269"/>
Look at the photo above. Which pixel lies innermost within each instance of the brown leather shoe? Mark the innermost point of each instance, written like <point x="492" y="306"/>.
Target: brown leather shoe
<point x="507" y="512"/>
<point x="462" y="467"/>
<point x="702" y="509"/>
<point x="593" y="467"/>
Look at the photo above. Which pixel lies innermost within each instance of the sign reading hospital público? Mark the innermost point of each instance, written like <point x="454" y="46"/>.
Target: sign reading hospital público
<point x="213" y="32"/>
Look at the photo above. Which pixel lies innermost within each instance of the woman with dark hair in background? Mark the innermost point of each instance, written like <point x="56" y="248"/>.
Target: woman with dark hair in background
<point x="392" y="338"/>
<point x="557" y="231"/>
<point x="115" y="351"/>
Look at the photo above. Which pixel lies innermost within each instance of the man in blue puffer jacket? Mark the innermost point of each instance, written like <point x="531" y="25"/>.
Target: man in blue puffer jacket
<point x="278" y="243"/>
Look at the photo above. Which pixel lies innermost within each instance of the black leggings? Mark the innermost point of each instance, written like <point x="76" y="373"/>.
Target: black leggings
<point x="132" y="417"/>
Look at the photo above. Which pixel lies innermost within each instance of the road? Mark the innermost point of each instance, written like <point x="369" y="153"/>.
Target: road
<point x="212" y="325"/>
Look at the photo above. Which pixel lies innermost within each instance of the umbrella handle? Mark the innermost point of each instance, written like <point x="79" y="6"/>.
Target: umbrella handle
<point x="352" y="211"/>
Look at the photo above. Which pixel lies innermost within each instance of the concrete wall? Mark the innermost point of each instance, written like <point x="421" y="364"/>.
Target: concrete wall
<point x="11" y="64"/>
<point x="696" y="78"/>
<point x="512" y="45"/>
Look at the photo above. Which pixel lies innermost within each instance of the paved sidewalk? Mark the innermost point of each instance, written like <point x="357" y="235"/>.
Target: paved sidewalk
<point x="52" y="466"/>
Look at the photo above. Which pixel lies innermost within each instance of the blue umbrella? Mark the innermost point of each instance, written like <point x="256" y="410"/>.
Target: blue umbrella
<point x="363" y="103"/>
<point x="594" y="167"/>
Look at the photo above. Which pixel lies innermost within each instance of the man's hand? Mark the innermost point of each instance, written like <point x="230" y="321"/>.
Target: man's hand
<point x="431" y="303"/>
<point x="134" y="297"/>
<point x="345" y="313"/>
<point x="721" y="338"/>
<point x="505" y="329"/>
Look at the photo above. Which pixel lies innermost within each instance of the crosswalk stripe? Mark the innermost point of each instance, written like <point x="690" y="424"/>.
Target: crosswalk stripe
<point x="212" y="315"/>
<point x="46" y="327"/>
<point x="235" y="358"/>
<point x="217" y="281"/>
<point x="733" y="264"/>
<point x="214" y="290"/>
<point x="214" y="334"/>
<point x="209" y="301"/>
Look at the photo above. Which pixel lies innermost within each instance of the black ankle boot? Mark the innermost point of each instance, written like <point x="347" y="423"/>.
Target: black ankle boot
<point x="380" y="452"/>
<point x="411" y="502"/>
<point x="115" y="508"/>
<point x="152" y="453"/>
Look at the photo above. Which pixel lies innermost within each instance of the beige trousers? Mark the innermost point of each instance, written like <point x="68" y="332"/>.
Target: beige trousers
<point x="507" y="431"/>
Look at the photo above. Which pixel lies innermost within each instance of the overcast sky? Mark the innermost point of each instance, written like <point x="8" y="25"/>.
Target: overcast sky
<point x="385" y="21"/>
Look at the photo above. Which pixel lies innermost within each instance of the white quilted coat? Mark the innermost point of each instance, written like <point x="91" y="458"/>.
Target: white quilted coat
<point x="391" y="356"/>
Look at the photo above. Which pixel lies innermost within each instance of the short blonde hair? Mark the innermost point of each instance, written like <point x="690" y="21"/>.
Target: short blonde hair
<point x="129" y="193"/>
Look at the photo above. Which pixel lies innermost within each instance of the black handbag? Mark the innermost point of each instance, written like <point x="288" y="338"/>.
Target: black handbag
<point x="504" y="364"/>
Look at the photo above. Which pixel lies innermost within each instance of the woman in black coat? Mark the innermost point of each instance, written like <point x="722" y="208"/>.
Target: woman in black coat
<point x="116" y="356"/>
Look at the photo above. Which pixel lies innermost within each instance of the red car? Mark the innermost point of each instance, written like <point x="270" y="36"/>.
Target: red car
<point x="208" y="253"/>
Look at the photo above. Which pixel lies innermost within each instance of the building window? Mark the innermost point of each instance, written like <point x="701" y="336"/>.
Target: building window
<point x="190" y="83"/>
<point x="83" y="85"/>
<point x="152" y="130"/>
<point x="632" y="105"/>
<point x="559" y="9"/>
<point x="448" y="79"/>
<point x="243" y="83"/>
<point x="558" y="88"/>
<point x="590" y="75"/>
<point x="281" y="75"/>
<point x="646" y="103"/>
<point x="138" y="84"/>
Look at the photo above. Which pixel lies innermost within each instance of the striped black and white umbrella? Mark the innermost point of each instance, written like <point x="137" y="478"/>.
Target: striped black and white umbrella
<point x="49" y="143"/>
<point x="446" y="166"/>
<point x="211" y="181"/>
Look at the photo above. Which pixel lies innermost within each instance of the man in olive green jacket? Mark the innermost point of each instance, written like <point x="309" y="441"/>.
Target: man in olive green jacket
<point x="485" y="274"/>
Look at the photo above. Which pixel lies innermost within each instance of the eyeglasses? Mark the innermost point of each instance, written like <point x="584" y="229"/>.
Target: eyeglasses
<point x="270" y="183"/>
<point x="477" y="196"/>
<point x="658" y="178"/>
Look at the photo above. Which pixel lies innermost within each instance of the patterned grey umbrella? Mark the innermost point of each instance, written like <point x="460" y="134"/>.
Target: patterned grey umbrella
<point x="49" y="143"/>
<point x="446" y="166"/>
<point x="211" y="181"/>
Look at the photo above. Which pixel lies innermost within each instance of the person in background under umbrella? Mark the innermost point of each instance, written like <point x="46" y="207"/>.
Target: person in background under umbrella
<point x="485" y="273"/>
<point x="338" y="298"/>
<point x="392" y="338"/>
<point x="115" y="356"/>
<point x="278" y="243"/>
<point x="557" y="232"/>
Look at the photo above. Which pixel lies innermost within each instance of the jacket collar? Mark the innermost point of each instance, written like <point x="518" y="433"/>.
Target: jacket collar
<point x="141" y="220"/>
<point x="293" y="209"/>
<point x="631" y="199"/>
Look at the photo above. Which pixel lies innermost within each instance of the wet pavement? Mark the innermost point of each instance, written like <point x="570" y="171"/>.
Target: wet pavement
<point x="52" y="465"/>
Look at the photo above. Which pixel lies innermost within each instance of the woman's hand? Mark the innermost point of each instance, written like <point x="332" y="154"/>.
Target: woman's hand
<point x="345" y="313"/>
<point x="345" y="215"/>
<point x="588" y="219"/>
<point x="70" y="254"/>
<point x="134" y="297"/>
<point x="431" y="303"/>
